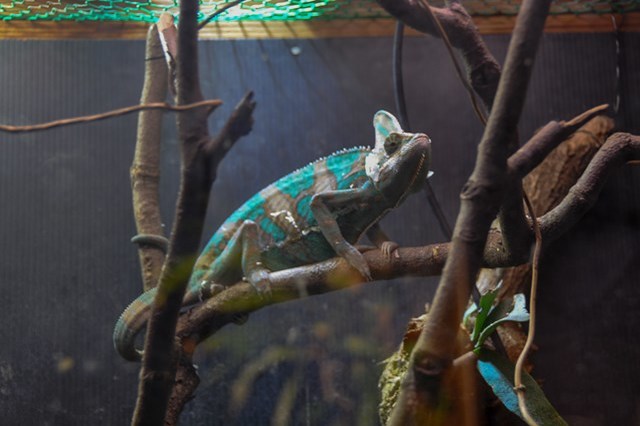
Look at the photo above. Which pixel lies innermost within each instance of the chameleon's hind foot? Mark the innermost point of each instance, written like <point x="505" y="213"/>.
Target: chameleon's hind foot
<point x="207" y="291"/>
<point x="259" y="280"/>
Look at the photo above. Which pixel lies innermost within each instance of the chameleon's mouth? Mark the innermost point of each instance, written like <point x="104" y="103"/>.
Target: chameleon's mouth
<point x="411" y="187"/>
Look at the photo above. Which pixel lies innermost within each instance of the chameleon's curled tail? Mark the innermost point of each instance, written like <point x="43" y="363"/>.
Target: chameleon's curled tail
<point x="130" y="324"/>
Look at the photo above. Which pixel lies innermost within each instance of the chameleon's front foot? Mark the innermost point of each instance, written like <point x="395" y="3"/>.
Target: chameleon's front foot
<point x="259" y="280"/>
<point x="355" y="259"/>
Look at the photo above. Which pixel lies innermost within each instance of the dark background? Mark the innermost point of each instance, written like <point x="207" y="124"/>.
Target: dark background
<point x="67" y="268"/>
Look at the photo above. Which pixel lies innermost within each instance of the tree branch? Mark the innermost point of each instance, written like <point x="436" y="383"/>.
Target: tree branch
<point x="211" y="104"/>
<point x="336" y="274"/>
<point x="206" y="319"/>
<point x="159" y="360"/>
<point x="145" y="170"/>
<point x="481" y="199"/>
<point x="483" y="71"/>
<point x="237" y="125"/>
<point x="616" y="151"/>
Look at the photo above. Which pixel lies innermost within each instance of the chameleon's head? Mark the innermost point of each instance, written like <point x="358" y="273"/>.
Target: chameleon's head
<point x="399" y="163"/>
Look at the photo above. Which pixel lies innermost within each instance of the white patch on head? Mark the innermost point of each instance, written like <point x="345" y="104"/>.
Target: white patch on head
<point x="372" y="164"/>
<point x="384" y="124"/>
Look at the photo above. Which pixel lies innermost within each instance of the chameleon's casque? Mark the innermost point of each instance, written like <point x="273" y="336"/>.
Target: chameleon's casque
<point x="310" y="215"/>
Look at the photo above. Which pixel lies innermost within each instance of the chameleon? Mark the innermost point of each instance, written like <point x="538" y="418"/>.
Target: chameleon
<point x="312" y="214"/>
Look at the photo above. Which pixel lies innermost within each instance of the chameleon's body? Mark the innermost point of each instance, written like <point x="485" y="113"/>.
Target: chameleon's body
<point x="310" y="215"/>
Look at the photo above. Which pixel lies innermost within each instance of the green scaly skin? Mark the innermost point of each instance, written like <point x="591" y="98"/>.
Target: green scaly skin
<point x="313" y="214"/>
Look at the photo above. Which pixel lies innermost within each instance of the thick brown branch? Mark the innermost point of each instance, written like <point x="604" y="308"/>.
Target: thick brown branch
<point x="159" y="360"/>
<point x="515" y="228"/>
<point x="145" y="170"/>
<point x="336" y="274"/>
<point x="481" y="200"/>
<point x="206" y="319"/>
<point x="211" y="104"/>
<point x="617" y="150"/>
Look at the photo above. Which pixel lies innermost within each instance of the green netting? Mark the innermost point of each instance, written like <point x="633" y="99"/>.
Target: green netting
<point x="266" y="10"/>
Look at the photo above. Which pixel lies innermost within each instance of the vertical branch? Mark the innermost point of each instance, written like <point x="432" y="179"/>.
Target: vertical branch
<point x="159" y="361"/>
<point x="145" y="170"/>
<point x="200" y="155"/>
<point x="481" y="198"/>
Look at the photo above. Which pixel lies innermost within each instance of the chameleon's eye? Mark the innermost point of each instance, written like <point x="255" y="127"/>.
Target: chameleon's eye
<point x="392" y="143"/>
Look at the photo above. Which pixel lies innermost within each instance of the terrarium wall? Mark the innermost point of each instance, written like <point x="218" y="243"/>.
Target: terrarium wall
<point x="68" y="269"/>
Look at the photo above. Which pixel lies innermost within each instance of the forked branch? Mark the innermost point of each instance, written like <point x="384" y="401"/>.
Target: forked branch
<point x="200" y="156"/>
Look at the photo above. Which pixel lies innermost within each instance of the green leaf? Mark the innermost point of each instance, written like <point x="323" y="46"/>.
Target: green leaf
<point x="497" y="371"/>
<point x="468" y="314"/>
<point x="505" y="311"/>
<point x="485" y="308"/>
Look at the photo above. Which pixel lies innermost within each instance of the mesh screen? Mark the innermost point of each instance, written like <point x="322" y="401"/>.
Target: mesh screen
<point x="266" y="10"/>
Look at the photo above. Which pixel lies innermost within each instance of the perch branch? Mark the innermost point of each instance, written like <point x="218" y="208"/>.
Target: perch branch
<point x="454" y="25"/>
<point x="429" y="260"/>
<point x="480" y="201"/>
<point x="198" y="155"/>
<point x="211" y="104"/>
<point x="336" y="274"/>
<point x="145" y="170"/>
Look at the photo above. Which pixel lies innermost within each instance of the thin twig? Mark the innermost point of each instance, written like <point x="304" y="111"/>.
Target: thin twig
<point x="212" y="104"/>
<point x="535" y="262"/>
<point x="218" y="12"/>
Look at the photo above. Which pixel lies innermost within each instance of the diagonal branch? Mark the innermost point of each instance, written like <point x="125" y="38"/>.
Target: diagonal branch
<point x="209" y="317"/>
<point x="619" y="149"/>
<point x="335" y="274"/>
<point x="483" y="71"/>
<point x="481" y="199"/>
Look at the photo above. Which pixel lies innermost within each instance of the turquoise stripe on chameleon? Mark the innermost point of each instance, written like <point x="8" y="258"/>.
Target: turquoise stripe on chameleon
<point x="251" y="210"/>
<point x="300" y="181"/>
<point x="270" y="227"/>
<point x="342" y="165"/>
<point x="305" y="212"/>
